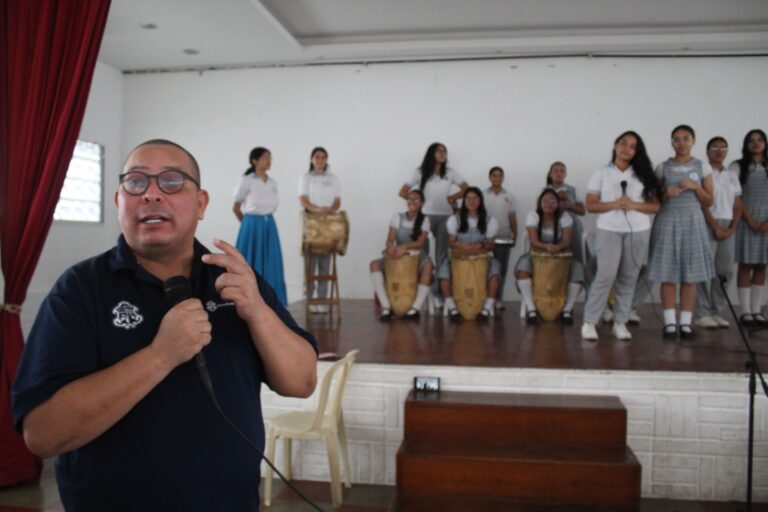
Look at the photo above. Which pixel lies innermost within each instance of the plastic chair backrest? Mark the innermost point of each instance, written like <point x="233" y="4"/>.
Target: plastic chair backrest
<point x="329" y="403"/>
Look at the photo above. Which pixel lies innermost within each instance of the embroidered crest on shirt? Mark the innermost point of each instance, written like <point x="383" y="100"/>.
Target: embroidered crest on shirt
<point x="212" y="306"/>
<point x="127" y="315"/>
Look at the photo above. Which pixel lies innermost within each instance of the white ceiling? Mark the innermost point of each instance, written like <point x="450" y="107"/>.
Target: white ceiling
<point x="234" y="33"/>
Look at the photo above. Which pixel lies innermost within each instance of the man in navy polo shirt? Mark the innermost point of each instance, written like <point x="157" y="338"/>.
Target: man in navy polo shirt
<point x="106" y="382"/>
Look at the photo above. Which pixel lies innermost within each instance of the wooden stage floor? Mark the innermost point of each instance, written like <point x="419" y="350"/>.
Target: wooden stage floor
<point x="507" y="342"/>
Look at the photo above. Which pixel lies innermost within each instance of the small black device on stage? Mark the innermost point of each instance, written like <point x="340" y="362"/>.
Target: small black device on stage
<point x="177" y="289"/>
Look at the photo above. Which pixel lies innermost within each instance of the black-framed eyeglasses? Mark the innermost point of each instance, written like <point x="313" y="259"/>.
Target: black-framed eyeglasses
<point x="169" y="181"/>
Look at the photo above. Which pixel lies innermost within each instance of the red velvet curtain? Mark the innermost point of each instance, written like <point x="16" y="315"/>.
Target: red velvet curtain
<point x="48" y="51"/>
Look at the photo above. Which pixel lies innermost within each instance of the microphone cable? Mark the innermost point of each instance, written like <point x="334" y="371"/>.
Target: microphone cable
<point x="177" y="289"/>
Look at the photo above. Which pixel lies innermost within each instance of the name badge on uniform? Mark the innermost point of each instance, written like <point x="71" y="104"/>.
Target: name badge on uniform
<point x="694" y="177"/>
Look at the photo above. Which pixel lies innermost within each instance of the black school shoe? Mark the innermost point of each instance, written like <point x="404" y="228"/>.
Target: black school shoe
<point x="532" y="318"/>
<point x="386" y="315"/>
<point x="669" y="332"/>
<point x="687" y="332"/>
<point x="412" y="314"/>
<point x="567" y="317"/>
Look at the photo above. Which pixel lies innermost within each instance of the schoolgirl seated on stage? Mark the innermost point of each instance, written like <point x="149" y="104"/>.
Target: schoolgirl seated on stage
<point x="470" y="232"/>
<point x="680" y="252"/>
<point x="549" y="231"/>
<point x="752" y="233"/>
<point x="569" y="203"/>
<point x="407" y="231"/>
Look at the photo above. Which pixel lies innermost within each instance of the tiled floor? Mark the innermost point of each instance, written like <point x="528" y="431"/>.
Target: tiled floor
<point x="360" y="498"/>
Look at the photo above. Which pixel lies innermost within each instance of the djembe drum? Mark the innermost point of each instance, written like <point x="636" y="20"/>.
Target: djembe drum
<point x="402" y="280"/>
<point x="469" y="283"/>
<point x="325" y="233"/>
<point x="550" y="282"/>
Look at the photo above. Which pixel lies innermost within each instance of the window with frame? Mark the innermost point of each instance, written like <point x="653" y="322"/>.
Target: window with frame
<point x="81" y="196"/>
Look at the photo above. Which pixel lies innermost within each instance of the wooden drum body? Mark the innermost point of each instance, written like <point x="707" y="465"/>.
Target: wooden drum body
<point x="550" y="282"/>
<point x="402" y="281"/>
<point x="325" y="233"/>
<point x="469" y="283"/>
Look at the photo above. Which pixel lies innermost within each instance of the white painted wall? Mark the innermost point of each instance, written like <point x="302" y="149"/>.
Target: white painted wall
<point x="376" y="122"/>
<point x="70" y="242"/>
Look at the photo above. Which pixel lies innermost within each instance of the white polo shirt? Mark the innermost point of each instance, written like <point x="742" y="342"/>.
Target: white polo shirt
<point x="606" y="184"/>
<point x="491" y="227"/>
<point x="436" y="191"/>
<point x="257" y="196"/>
<point x="394" y="223"/>
<point x="500" y="206"/>
<point x="320" y="189"/>
<point x="726" y="189"/>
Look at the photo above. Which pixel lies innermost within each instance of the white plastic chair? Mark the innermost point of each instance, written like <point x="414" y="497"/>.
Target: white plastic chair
<point x="326" y="423"/>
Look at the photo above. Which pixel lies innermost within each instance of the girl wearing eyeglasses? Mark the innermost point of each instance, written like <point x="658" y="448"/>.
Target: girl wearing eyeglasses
<point x="407" y="231"/>
<point x="680" y="252"/>
<point x="256" y="199"/>
<point x="471" y="231"/>
<point x="722" y="219"/>
<point x="624" y="194"/>
<point x="549" y="230"/>
<point x="752" y="234"/>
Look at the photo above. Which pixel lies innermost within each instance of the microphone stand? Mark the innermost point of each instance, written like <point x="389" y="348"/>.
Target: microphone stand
<point x="754" y="371"/>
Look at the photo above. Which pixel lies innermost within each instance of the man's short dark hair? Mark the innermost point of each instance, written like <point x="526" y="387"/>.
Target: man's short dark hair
<point x="166" y="142"/>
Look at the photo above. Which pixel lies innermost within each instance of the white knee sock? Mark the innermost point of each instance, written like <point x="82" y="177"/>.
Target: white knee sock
<point x="489" y="302"/>
<point x="744" y="300"/>
<point x="686" y="317"/>
<point x="378" y="284"/>
<point x="449" y="303"/>
<point x="670" y="317"/>
<point x="757" y="299"/>
<point x="421" y="294"/>
<point x="573" y="292"/>
<point x="526" y="290"/>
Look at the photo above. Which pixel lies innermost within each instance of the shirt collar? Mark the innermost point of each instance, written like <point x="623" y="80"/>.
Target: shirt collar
<point x="122" y="258"/>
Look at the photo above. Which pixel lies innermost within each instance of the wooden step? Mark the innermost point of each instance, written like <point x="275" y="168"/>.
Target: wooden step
<point x="505" y="417"/>
<point x="520" y="470"/>
<point x="458" y="503"/>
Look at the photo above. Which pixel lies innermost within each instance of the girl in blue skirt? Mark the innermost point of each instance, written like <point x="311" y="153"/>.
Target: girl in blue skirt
<point x="256" y="199"/>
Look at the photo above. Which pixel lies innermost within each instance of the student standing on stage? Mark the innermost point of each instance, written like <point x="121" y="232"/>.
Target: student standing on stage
<point x="680" y="250"/>
<point x="752" y="234"/>
<point x="501" y="206"/>
<point x="470" y="232"/>
<point x="256" y="199"/>
<point x="550" y="231"/>
<point x="722" y="218"/>
<point x="434" y="178"/>
<point x="569" y="202"/>
<point x="319" y="192"/>
<point x="407" y="231"/>
<point x="625" y="195"/>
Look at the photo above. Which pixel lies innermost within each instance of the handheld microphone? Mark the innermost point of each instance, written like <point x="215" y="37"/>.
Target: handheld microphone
<point x="178" y="289"/>
<point x="623" y="187"/>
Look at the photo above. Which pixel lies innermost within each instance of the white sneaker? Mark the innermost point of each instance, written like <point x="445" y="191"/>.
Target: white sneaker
<point x="706" y="322"/>
<point x="620" y="332"/>
<point x="589" y="332"/>
<point x="607" y="315"/>
<point x="634" y="318"/>
<point x="720" y="321"/>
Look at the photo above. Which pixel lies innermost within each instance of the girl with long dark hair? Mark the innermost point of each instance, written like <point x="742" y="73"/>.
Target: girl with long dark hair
<point x="624" y="194"/>
<point x="752" y="234"/>
<point x="407" y="231"/>
<point x="550" y="231"/>
<point x="256" y="199"/>
<point x="680" y="252"/>
<point x="434" y="178"/>
<point x="319" y="192"/>
<point x="471" y="231"/>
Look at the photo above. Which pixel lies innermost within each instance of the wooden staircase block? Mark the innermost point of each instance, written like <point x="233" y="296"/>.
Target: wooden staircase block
<point x="556" y="419"/>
